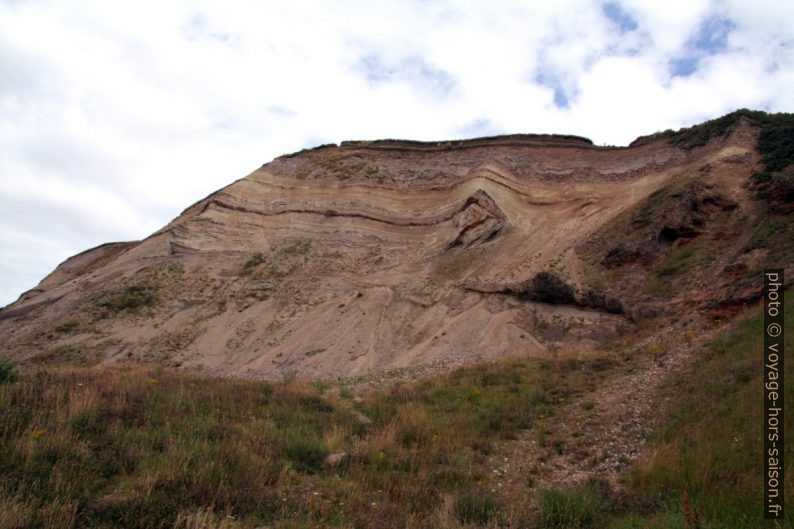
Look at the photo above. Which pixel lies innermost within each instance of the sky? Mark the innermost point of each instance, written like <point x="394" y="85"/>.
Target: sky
<point x="115" y="116"/>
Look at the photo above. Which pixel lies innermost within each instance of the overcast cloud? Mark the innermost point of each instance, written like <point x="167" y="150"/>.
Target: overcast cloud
<point x="115" y="116"/>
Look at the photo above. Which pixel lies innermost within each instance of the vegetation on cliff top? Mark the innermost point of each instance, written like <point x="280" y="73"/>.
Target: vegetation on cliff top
<point x="775" y="140"/>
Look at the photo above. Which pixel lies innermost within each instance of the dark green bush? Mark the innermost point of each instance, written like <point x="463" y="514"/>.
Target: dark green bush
<point x="255" y="260"/>
<point x="66" y="327"/>
<point x="775" y="140"/>
<point x="7" y="372"/>
<point x="132" y="298"/>
<point x="306" y="452"/>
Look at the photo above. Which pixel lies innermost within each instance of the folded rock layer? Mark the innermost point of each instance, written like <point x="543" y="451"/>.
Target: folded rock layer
<point x="345" y="260"/>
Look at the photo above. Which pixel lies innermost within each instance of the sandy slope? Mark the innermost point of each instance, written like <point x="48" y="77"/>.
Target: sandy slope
<point x="341" y="261"/>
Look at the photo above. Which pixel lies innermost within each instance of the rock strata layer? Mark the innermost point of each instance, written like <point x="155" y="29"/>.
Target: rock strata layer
<point x="343" y="260"/>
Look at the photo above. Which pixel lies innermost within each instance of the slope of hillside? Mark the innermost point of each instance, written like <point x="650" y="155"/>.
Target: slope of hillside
<point x="603" y="300"/>
<point x="127" y="446"/>
<point x="343" y="261"/>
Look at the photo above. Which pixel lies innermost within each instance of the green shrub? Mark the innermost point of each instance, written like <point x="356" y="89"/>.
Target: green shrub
<point x="66" y="327"/>
<point x="775" y="141"/>
<point x="132" y="298"/>
<point x="701" y="134"/>
<point x="306" y="452"/>
<point x="298" y="248"/>
<point x="255" y="260"/>
<point x="7" y="371"/>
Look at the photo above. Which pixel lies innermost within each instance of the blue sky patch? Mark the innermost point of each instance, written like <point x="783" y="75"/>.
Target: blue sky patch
<point x="711" y="38"/>
<point x="684" y="66"/>
<point x="616" y="14"/>
<point x="549" y="79"/>
<point x="712" y="35"/>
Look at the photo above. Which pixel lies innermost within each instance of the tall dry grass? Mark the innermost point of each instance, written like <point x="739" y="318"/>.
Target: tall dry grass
<point x="139" y="447"/>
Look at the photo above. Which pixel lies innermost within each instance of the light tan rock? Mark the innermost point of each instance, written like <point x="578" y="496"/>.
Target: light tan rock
<point x="343" y="261"/>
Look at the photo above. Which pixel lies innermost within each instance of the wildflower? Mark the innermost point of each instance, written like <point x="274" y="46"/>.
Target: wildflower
<point x="38" y="433"/>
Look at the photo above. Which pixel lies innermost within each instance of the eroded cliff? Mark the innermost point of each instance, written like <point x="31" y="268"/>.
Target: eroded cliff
<point x="343" y="260"/>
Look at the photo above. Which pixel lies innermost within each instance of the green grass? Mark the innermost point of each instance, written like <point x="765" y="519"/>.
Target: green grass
<point x="63" y="355"/>
<point x="136" y="447"/>
<point x="769" y="232"/>
<point x="576" y="508"/>
<point x="642" y="214"/>
<point x="596" y="505"/>
<point x="774" y="233"/>
<point x="676" y="260"/>
<point x="670" y="260"/>
<point x="669" y="518"/>
<point x="700" y="134"/>
<point x="775" y="144"/>
<point x="710" y="445"/>
<point x="131" y="298"/>
<point x="476" y="508"/>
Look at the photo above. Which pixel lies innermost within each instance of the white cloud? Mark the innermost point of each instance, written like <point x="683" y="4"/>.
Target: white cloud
<point x="116" y="116"/>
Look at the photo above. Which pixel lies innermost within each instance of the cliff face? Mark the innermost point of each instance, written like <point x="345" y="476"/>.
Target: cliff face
<point x="343" y="260"/>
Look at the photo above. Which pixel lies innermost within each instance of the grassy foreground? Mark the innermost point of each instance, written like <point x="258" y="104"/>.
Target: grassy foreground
<point x="708" y="455"/>
<point x="712" y="444"/>
<point x="134" y="447"/>
<point x="137" y="447"/>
